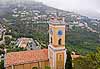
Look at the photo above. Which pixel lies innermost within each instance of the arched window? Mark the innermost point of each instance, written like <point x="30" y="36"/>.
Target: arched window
<point x="59" y="41"/>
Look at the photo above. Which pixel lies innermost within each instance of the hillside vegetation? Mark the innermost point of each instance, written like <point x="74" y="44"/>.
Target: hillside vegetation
<point x="31" y="20"/>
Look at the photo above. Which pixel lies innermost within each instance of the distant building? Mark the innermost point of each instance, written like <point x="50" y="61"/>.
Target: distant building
<point x="23" y="42"/>
<point x="74" y="55"/>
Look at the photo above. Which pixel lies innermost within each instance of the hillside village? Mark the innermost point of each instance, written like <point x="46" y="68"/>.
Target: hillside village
<point x="37" y="15"/>
<point x="28" y="14"/>
<point x="24" y="27"/>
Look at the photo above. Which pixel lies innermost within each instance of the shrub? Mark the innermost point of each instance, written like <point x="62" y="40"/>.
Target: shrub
<point x="35" y="68"/>
<point x="47" y="67"/>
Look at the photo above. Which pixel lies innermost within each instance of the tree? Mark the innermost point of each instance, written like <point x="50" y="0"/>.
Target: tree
<point x="82" y="63"/>
<point x="68" y="64"/>
<point x="2" y="36"/>
<point x="2" y="64"/>
<point x="90" y="61"/>
<point x="2" y="46"/>
<point x="35" y="68"/>
<point x="7" y="40"/>
<point x="47" y="67"/>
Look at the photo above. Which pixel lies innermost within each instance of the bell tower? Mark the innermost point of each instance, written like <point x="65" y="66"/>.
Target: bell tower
<point x="56" y="47"/>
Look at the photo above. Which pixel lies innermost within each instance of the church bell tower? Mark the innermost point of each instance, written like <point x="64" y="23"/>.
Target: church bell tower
<point x="56" y="47"/>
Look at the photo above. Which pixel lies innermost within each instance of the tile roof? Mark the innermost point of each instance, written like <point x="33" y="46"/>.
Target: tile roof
<point x="75" y="56"/>
<point x="23" y="42"/>
<point x="22" y="57"/>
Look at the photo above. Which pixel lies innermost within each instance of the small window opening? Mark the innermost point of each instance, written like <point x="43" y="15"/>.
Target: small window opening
<point x="51" y="39"/>
<point x="59" y="41"/>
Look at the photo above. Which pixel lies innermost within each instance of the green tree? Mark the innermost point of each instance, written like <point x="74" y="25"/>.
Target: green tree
<point x="2" y="36"/>
<point x="2" y="64"/>
<point x="7" y="40"/>
<point x="68" y="64"/>
<point x="35" y="68"/>
<point x="90" y="61"/>
<point x="47" y="67"/>
<point x="2" y="46"/>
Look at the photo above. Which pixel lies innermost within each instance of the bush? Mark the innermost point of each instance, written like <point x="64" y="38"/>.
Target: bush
<point x="2" y="64"/>
<point x="35" y="68"/>
<point x="68" y="64"/>
<point x="7" y="40"/>
<point x="1" y="39"/>
<point x="47" y="67"/>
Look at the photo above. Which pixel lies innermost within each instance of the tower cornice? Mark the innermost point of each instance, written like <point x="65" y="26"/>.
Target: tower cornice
<point x="56" y="49"/>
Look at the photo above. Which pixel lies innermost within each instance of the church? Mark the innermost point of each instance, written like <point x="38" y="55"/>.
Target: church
<point x="54" y="56"/>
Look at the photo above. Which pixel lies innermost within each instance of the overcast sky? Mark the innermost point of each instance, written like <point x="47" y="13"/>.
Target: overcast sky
<point x="74" y="4"/>
<point x="90" y="8"/>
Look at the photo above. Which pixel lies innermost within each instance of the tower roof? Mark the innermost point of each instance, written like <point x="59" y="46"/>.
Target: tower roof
<point x="57" y="20"/>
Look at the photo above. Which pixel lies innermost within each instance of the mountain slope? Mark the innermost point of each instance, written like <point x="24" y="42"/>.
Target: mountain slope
<point x="29" y="19"/>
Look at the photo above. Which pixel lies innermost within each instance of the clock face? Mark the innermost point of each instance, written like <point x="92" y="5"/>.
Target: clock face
<point x="51" y="31"/>
<point x="60" y="32"/>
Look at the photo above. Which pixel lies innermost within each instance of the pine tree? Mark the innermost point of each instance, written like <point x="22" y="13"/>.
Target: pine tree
<point x="68" y="64"/>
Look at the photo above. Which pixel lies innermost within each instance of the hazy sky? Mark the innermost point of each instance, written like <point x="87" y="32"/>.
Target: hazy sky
<point x="90" y="8"/>
<point x="74" y="4"/>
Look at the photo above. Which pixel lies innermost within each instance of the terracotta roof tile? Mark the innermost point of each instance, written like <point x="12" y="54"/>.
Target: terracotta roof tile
<point x="15" y="58"/>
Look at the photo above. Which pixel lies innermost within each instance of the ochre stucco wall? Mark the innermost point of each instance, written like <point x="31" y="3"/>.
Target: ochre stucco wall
<point x="40" y="65"/>
<point x="55" y="36"/>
